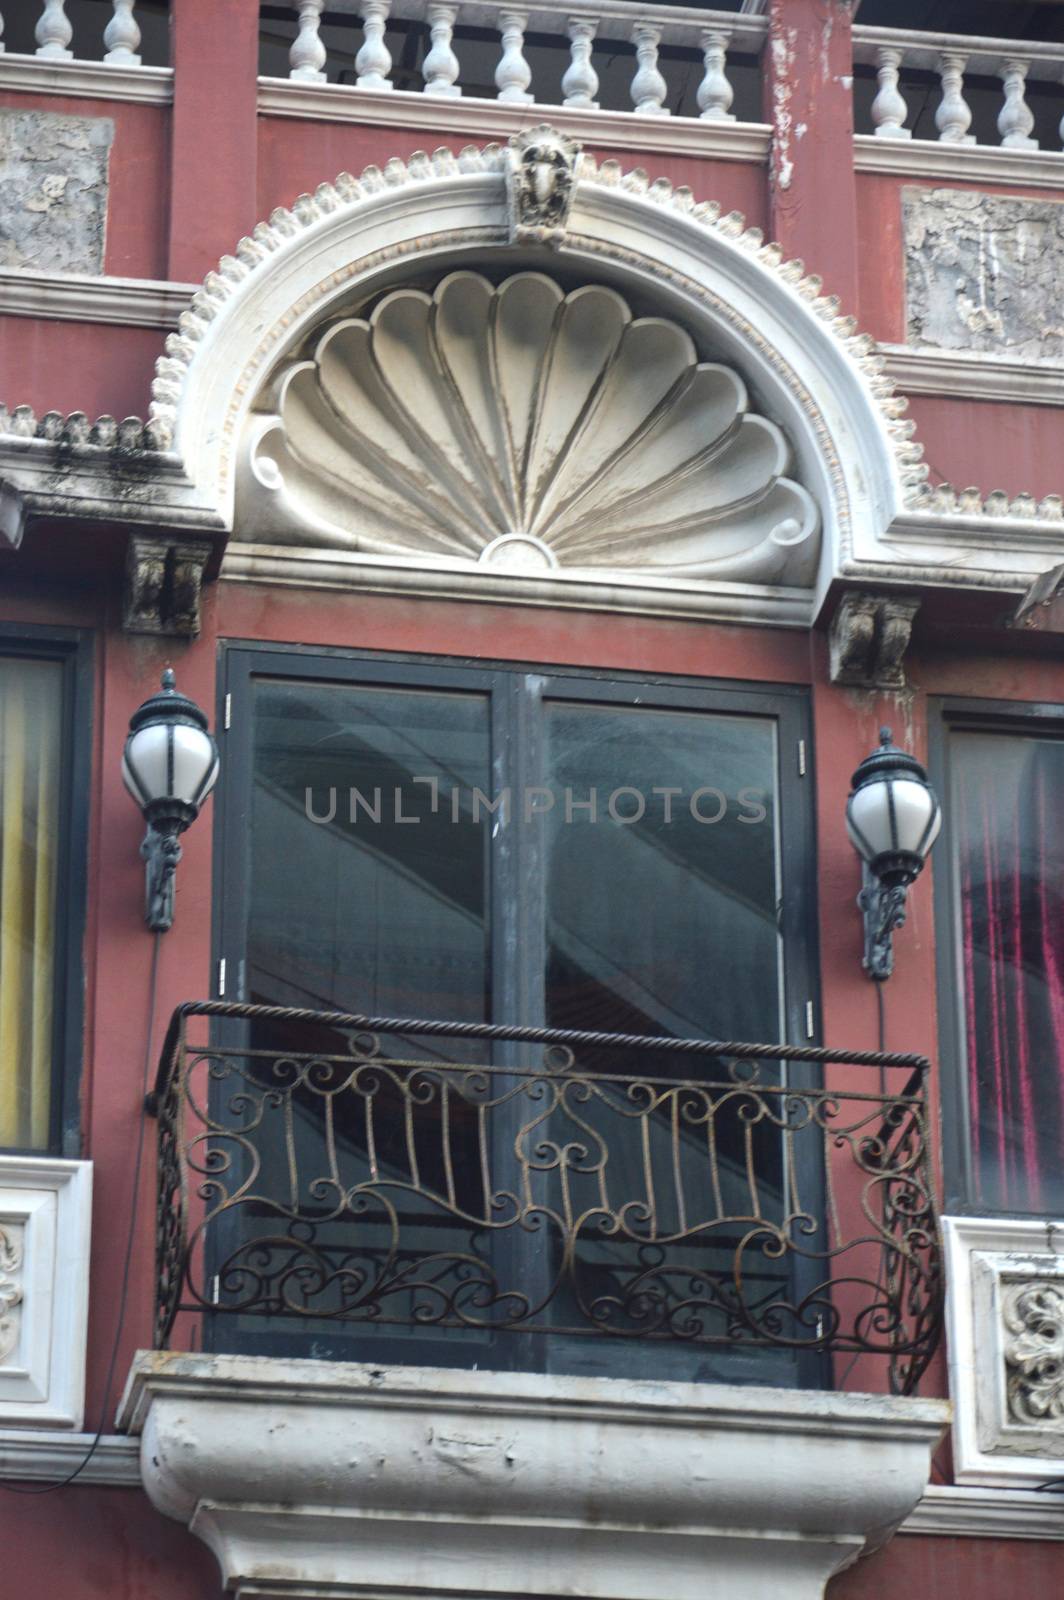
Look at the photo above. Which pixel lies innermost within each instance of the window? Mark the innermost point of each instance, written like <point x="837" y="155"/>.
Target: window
<point x="475" y="844"/>
<point x="1002" y="905"/>
<point x="42" y="744"/>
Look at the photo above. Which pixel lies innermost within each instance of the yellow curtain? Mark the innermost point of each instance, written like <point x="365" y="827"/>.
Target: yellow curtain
<point x="30" y="713"/>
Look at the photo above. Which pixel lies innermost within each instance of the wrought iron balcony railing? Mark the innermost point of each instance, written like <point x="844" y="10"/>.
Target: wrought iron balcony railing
<point x="318" y="1168"/>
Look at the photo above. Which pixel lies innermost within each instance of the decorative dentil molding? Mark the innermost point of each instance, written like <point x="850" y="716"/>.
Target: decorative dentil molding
<point x="10" y="1288"/>
<point x="868" y="639"/>
<point x="523" y="428"/>
<point x="1033" y="1317"/>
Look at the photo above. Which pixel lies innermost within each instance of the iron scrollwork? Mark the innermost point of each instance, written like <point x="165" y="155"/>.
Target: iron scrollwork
<point x="374" y="1184"/>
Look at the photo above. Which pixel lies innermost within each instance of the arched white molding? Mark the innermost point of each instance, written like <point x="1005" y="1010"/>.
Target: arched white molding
<point x="806" y="368"/>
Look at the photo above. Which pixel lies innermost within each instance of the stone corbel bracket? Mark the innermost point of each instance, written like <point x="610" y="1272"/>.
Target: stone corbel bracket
<point x="869" y="637"/>
<point x="12" y="516"/>
<point x="164" y="578"/>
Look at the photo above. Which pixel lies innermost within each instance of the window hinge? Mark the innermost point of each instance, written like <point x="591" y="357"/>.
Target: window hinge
<point x="801" y="757"/>
<point x="227" y="719"/>
<point x="221" y="979"/>
<point x="810" y="1025"/>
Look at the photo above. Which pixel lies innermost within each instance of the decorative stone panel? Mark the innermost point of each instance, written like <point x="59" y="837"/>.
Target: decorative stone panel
<point x="44" y="1285"/>
<point x="983" y="272"/>
<point x="1006" y="1349"/>
<point x="53" y="190"/>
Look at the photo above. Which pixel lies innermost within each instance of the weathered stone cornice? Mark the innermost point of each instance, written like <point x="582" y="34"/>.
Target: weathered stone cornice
<point x="315" y="1478"/>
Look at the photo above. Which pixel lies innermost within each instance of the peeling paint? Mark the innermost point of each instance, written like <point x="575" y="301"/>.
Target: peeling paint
<point x="784" y="47"/>
<point x="982" y="272"/>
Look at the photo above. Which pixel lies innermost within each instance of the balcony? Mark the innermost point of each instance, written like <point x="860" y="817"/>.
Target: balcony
<point x="326" y="1179"/>
<point x="493" y="1218"/>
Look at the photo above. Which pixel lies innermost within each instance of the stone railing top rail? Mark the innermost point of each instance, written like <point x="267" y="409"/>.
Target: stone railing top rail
<point x="982" y="54"/>
<point x="678" y="24"/>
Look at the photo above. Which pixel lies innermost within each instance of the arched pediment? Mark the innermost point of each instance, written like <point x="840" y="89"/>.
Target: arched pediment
<point x="350" y="382"/>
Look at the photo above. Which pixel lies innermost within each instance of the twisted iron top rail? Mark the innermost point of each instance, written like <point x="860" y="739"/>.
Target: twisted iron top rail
<point x="502" y="1033"/>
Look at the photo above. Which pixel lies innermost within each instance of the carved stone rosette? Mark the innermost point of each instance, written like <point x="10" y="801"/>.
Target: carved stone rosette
<point x="1033" y="1317"/>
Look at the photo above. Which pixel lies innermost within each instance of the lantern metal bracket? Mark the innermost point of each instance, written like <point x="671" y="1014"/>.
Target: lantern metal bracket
<point x="883" y="910"/>
<point x="161" y="851"/>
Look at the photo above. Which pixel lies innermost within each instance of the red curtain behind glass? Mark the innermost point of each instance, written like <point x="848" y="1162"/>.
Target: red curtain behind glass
<point x="1008" y="816"/>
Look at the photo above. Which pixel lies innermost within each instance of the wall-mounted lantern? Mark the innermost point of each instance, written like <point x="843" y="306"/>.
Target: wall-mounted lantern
<point x="169" y="766"/>
<point x="893" y="818"/>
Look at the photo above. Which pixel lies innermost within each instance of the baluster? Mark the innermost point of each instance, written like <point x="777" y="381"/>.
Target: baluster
<point x="889" y="109"/>
<point x="373" y="62"/>
<point x="53" y="32"/>
<point x="122" y="36"/>
<point x="648" y="86"/>
<point x="440" y="66"/>
<point x="3" y="46"/>
<point x="306" y="59"/>
<point x="513" y="74"/>
<point x="715" y="93"/>
<point x="1016" y="119"/>
<point x="953" y="117"/>
<point x="580" y="83"/>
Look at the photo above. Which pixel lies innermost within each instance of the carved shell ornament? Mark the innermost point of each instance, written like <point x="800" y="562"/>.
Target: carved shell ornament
<point x="522" y="427"/>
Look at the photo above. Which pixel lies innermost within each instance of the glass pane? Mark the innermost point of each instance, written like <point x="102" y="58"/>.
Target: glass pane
<point x="661" y="913"/>
<point x="368" y="893"/>
<point x="1007" y="831"/>
<point x="662" y="919"/>
<point x="368" y="885"/>
<point x="30" y="715"/>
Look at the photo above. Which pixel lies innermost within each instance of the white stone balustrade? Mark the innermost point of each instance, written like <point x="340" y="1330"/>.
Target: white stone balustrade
<point x="573" y="41"/>
<point x="54" y="36"/>
<point x="582" y="31"/>
<point x="580" y="83"/>
<point x="54" y="32"/>
<point x="122" y="36"/>
<point x="307" y="55"/>
<point x="955" y="59"/>
<point x="373" y="62"/>
<point x="441" y="64"/>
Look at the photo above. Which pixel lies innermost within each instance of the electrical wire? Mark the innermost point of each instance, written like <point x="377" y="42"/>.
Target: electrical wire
<point x="123" y="1299"/>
